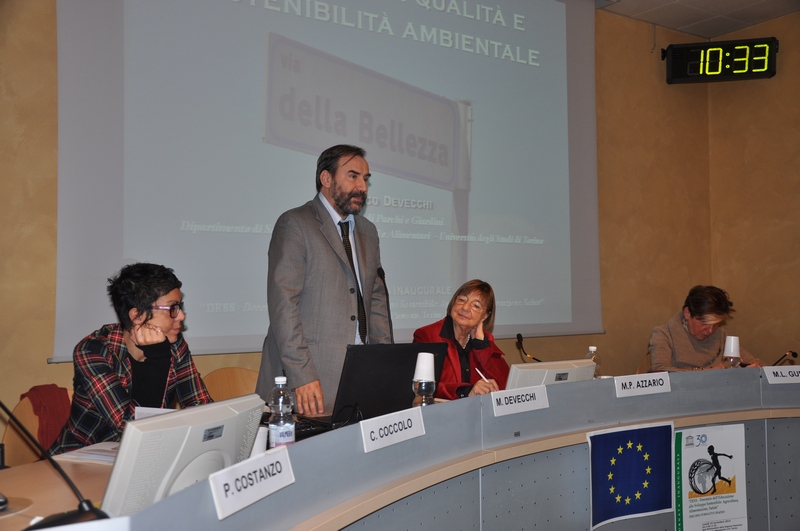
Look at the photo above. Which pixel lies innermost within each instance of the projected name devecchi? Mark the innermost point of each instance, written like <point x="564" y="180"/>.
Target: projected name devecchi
<point x="399" y="202"/>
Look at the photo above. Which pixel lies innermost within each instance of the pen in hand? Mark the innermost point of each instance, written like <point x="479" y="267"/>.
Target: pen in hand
<point x="491" y="384"/>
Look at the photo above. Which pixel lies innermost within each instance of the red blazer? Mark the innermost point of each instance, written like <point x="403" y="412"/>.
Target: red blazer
<point x="489" y="361"/>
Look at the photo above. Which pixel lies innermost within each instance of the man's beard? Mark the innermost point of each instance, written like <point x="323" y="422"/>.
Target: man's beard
<point x="343" y="203"/>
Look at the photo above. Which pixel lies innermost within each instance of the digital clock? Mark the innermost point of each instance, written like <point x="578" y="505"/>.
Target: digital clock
<point x="721" y="61"/>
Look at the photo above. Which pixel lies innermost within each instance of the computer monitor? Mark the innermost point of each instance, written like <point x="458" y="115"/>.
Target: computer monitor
<point x="549" y="372"/>
<point x="161" y="455"/>
<point x="376" y="379"/>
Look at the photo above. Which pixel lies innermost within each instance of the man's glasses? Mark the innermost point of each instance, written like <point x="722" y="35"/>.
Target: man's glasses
<point x="174" y="309"/>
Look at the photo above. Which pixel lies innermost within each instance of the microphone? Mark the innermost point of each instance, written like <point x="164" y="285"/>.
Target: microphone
<point x="790" y="353"/>
<point x="519" y="340"/>
<point x="85" y="512"/>
<point x="382" y="274"/>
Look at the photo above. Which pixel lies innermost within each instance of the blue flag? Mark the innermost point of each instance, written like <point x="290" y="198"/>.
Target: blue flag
<point x="631" y="471"/>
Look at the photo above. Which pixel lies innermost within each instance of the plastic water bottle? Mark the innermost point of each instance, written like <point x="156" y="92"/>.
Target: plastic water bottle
<point x="595" y="357"/>
<point x="281" y="423"/>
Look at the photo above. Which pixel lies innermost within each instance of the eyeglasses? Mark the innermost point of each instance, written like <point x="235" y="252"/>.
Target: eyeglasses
<point x="173" y="309"/>
<point x="472" y="305"/>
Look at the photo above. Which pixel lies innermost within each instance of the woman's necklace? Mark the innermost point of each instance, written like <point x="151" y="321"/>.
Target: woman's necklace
<point x="464" y="344"/>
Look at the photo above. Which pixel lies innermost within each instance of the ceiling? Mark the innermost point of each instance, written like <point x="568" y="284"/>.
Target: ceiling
<point x="703" y="18"/>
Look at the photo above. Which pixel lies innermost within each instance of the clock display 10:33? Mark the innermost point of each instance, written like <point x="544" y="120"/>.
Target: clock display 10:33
<point x="721" y="61"/>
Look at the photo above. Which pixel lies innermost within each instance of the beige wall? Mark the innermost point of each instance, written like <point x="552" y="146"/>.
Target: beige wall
<point x="681" y="197"/>
<point x="755" y="196"/>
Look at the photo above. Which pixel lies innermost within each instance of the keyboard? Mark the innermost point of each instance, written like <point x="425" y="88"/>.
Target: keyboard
<point x="307" y="427"/>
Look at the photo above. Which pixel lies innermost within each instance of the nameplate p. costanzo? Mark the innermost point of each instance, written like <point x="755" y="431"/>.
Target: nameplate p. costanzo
<point x="248" y="481"/>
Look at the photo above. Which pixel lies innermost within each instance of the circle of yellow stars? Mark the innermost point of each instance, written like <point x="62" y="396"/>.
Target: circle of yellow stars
<point x="645" y="484"/>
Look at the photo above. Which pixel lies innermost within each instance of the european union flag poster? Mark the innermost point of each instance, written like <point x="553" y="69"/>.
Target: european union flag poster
<point x="631" y="472"/>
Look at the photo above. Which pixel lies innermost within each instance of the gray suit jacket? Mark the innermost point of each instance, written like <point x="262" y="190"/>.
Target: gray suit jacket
<point x="312" y="300"/>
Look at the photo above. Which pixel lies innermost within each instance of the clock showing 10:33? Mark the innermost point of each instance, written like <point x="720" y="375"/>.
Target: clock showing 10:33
<point x="721" y="61"/>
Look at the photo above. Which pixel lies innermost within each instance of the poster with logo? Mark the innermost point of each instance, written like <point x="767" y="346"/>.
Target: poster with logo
<point x="710" y="482"/>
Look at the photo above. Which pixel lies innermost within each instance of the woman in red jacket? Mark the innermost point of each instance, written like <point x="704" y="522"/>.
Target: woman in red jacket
<point x="471" y="349"/>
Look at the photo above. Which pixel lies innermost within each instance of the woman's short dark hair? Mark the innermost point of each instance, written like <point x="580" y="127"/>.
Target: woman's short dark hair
<point x="487" y="294"/>
<point x="329" y="159"/>
<point x="139" y="286"/>
<point x="708" y="300"/>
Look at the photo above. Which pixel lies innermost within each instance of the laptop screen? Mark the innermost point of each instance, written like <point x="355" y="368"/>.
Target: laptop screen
<point x="376" y="379"/>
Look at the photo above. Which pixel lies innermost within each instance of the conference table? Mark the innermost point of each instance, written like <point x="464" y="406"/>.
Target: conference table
<point x="474" y="470"/>
<point x="37" y="489"/>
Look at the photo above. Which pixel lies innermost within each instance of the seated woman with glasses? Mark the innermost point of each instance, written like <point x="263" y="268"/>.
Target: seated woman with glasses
<point x="141" y="361"/>
<point x="474" y="364"/>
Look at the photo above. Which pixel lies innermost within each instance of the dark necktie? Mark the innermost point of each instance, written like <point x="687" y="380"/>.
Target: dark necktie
<point x="362" y="315"/>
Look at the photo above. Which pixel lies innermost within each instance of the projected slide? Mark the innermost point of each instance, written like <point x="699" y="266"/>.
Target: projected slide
<point x="219" y="109"/>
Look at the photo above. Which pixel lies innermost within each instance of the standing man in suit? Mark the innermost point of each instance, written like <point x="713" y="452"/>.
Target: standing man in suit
<point x="320" y="301"/>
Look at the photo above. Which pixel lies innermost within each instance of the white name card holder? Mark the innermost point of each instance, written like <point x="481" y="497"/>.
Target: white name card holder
<point x="248" y="481"/>
<point x="519" y="400"/>
<point x="782" y="375"/>
<point x="642" y="384"/>
<point x="393" y="428"/>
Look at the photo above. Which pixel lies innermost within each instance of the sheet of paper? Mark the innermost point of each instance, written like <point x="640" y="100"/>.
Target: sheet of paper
<point x="143" y="412"/>
<point x="104" y="452"/>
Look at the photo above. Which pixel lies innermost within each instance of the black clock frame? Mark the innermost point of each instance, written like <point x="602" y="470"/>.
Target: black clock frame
<point x="707" y="62"/>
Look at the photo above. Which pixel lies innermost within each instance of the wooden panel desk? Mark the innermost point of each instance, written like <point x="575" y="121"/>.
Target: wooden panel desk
<point x="40" y="491"/>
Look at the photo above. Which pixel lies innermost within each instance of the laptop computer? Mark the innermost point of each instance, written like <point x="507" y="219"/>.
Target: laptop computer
<point x="375" y="381"/>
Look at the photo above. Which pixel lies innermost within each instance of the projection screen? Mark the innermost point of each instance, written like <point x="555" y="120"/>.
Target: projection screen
<point x="187" y="127"/>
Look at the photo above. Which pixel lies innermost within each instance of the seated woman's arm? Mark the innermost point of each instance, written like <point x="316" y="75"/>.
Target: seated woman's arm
<point x="106" y="392"/>
<point x="748" y="360"/>
<point x="661" y="358"/>
<point x="491" y="361"/>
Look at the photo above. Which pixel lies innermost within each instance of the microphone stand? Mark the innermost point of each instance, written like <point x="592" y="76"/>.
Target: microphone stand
<point x="790" y="353"/>
<point x="382" y="274"/>
<point x="522" y="348"/>
<point x="85" y="512"/>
